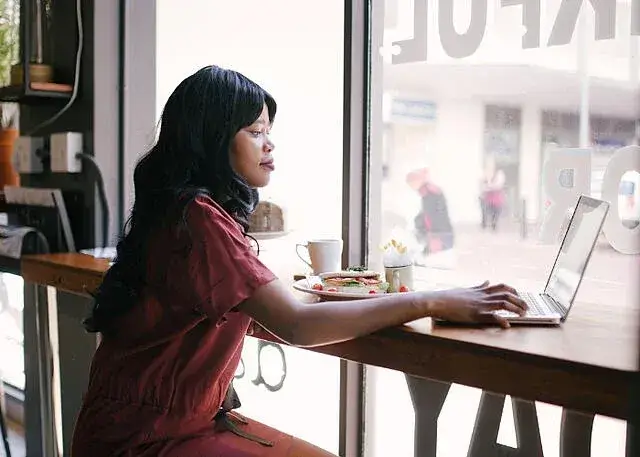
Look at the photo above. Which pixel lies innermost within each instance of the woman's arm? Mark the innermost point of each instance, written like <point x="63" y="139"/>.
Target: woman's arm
<point x="306" y="325"/>
<point x="221" y="273"/>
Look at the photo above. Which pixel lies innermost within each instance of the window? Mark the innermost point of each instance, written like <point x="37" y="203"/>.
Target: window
<point x="295" y="51"/>
<point x="482" y="100"/>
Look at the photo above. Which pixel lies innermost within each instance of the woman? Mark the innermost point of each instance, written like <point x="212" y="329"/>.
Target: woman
<point x="185" y="286"/>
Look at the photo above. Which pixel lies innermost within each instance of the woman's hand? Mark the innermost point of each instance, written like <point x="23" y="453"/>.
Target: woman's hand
<point x="477" y="304"/>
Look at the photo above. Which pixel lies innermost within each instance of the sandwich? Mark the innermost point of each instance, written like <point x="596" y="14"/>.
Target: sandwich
<point x="353" y="281"/>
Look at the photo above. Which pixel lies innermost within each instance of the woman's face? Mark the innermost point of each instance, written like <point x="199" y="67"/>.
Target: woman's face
<point x="251" y="151"/>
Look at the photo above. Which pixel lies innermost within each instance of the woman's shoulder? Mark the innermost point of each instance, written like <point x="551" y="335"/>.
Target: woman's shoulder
<point x="204" y="212"/>
<point x="204" y="205"/>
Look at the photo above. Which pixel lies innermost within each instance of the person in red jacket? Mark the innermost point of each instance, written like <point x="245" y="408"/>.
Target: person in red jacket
<point x="432" y="223"/>
<point x="186" y="284"/>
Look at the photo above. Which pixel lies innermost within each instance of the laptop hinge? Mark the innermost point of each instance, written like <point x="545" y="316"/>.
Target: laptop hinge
<point x="560" y="308"/>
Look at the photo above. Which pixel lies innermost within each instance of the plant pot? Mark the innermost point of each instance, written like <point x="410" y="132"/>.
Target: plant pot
<point x="38" y="73"/>
<point x="8" y="174"/>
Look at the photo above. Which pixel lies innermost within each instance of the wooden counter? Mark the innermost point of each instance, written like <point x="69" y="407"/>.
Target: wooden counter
<point x="588" y="364"/>
<point x="76" y="273"/>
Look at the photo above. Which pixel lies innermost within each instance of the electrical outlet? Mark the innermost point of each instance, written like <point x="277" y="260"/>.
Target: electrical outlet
<point x="25" y="154"/>
<point x="64" y="149"/>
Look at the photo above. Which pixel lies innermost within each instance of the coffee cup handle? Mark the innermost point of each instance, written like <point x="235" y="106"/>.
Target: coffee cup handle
<point x="298" y="245"/>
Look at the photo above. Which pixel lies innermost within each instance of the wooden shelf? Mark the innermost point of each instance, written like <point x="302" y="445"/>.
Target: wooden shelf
<point x="35" y="93"/>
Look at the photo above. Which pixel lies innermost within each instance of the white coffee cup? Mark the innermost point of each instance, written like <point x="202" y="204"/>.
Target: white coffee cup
<point x="324" y="255"/>
<point x="398" y="277"/>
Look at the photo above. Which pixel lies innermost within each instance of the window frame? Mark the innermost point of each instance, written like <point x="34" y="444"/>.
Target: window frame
<point x="356" y="215"/>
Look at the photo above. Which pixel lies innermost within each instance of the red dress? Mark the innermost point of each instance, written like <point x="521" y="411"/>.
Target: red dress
<point x="157" y="384"/>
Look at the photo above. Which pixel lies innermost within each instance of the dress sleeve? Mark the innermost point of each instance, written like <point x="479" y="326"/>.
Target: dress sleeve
<point x="220" y="269"/>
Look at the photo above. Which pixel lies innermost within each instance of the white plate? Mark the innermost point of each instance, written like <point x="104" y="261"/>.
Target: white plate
<point x="304" y="285"/>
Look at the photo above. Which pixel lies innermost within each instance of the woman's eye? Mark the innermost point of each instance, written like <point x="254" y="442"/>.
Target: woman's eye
<point x="256" y="132"/>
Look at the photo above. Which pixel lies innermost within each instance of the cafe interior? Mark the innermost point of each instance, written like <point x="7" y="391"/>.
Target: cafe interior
<point x="520" y="118"/>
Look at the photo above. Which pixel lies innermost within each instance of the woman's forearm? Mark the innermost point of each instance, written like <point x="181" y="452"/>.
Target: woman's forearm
<point x="333" y="322"/>
<point x="275" y="308"/>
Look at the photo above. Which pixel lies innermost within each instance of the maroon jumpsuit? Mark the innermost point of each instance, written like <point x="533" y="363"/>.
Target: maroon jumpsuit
<point x="158" y="381"/>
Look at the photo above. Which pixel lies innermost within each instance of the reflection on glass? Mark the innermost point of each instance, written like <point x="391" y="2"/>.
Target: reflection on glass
<point x="271" y="369"/>
<point x="629" y="199"/>
<point x="477" y="109"/>
<point x="575" y="250"/>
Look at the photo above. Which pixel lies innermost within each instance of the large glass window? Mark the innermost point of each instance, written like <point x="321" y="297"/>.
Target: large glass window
<point x="295" y="51"/>
<point x="468" y="108"/>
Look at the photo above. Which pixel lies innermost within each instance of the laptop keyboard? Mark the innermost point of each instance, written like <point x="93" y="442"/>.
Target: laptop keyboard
<point x="538" y="306"/>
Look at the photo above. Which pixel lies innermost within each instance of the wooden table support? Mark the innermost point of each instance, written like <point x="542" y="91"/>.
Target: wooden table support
<point x="428" y="398"/>
<point x="485" y="432"/>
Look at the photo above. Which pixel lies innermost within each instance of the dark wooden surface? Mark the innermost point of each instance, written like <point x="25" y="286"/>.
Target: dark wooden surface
<point x="587" y="364"/>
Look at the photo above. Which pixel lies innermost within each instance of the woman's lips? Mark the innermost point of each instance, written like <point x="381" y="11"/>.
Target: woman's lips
<point x="268" y="165"/>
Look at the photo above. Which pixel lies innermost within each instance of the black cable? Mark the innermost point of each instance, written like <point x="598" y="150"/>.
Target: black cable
<point x="102" y="195"/>
<point x="76" y="73"/>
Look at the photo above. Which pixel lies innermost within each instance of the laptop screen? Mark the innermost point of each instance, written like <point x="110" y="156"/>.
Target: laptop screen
<point x="575" y="250"/>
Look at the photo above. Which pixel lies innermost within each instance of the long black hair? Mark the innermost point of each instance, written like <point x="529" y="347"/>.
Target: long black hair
<point x="190" y="158"/>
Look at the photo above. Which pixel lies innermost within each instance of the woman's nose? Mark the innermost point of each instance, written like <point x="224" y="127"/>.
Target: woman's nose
<point x="269" y="146"/>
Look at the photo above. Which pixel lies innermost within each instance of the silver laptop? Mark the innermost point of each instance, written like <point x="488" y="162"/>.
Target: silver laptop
<point x="553" y="305"/>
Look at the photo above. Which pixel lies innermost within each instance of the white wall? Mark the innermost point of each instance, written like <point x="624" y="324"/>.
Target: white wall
<point x="452" y="148"/>
<point x="139" y="89"/>
<point x="457" y="164"/>
<point x="105" y="108"/>
<point x="530" y="158"/>
<point x="410" y="147"/>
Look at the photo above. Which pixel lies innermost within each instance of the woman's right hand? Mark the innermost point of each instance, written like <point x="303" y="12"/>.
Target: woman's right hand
<point x="477" y="304"/>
